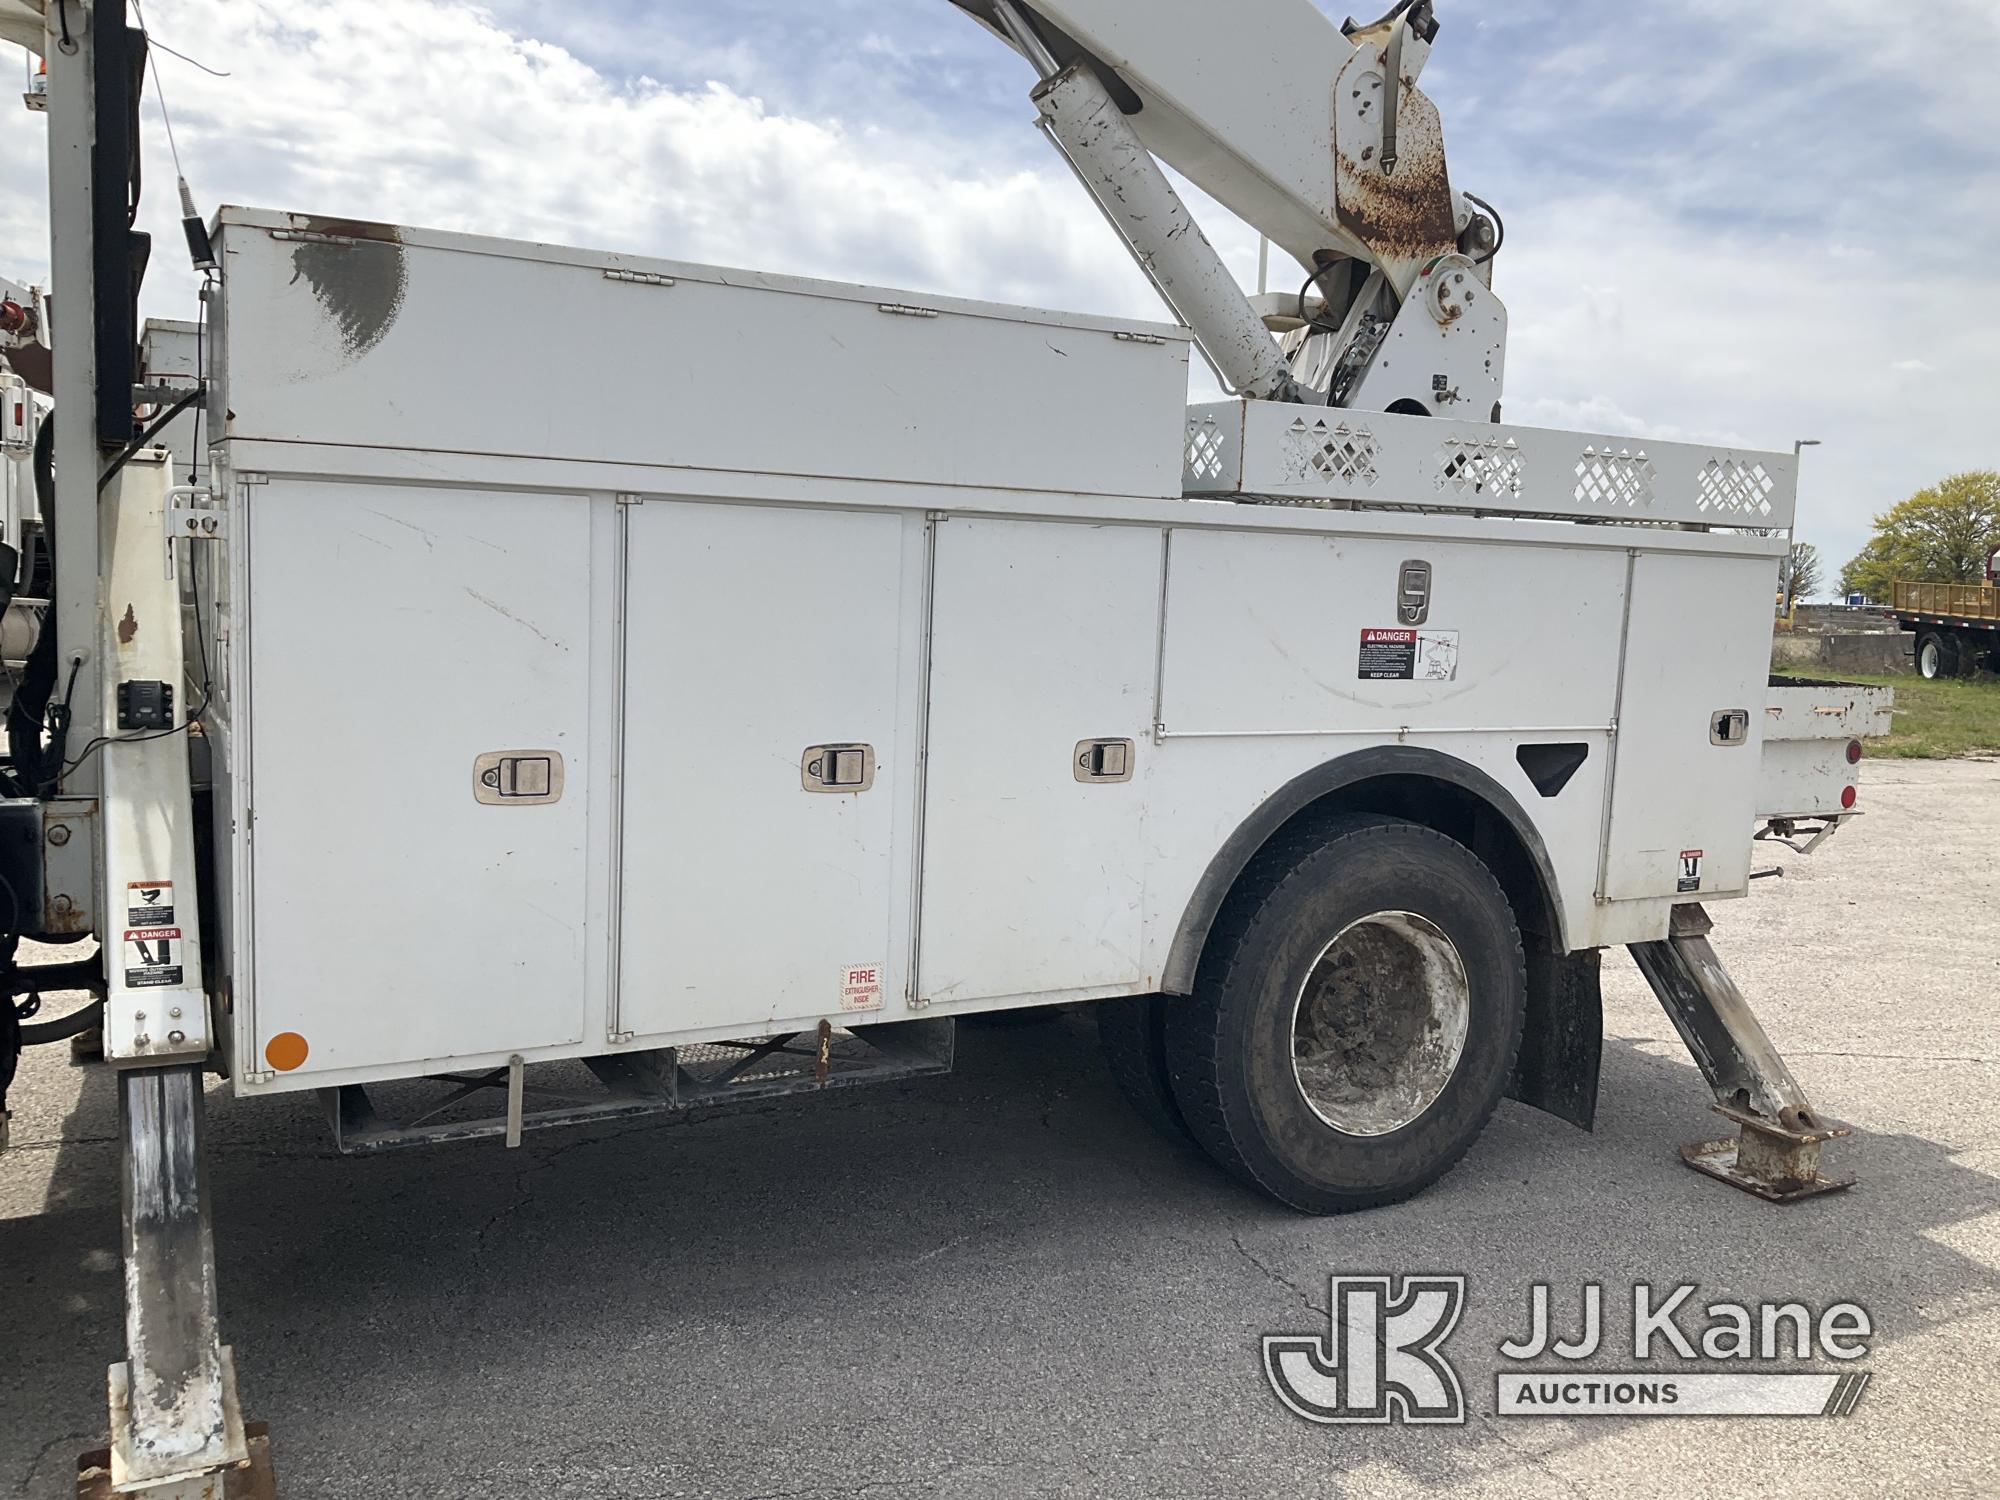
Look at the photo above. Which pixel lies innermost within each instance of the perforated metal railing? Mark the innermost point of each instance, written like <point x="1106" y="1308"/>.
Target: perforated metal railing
<point x="1288" y="454"/>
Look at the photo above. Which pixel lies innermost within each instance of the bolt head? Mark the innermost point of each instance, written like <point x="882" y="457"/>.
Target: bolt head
<point x="59" y="835"/>
<point x="63" y="906"/>
<point x="177" y="1037"/>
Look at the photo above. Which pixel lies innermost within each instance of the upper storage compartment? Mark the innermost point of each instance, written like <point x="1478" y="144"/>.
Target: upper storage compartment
<point x="340" y="332"/>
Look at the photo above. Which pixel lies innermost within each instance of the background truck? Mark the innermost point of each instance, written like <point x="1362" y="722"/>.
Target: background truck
<point x="1957" y="625"/>
<point x="682" y="735"/>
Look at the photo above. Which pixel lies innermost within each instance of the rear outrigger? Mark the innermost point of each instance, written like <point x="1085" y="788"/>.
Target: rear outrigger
<point x="482" y="766"/>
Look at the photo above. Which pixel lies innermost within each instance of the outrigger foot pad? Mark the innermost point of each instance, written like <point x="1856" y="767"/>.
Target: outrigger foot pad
<point x="1776" y="1164"/>
<point x="1775" y="1152"/>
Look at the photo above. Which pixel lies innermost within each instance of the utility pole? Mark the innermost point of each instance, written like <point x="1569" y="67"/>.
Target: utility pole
<point x="1799" y="445"/>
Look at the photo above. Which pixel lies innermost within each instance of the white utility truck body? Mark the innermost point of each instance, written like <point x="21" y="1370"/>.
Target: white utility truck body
<point x="967" y="547"/>
<point x="446" y="672"/>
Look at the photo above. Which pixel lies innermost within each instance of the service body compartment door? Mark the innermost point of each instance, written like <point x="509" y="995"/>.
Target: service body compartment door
<point x="1697" y="654"/>
<point x="753" y="634"/>
<point x="396" y="635"/>
<point x="1044" y="640"/>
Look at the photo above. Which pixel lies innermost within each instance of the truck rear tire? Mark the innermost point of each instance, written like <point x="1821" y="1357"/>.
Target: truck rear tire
<point x="1355" y="1019"/>
<point x="1133" y="1032"/>
<point x="1937" y="655"/>
<point x="1971" y="646"/>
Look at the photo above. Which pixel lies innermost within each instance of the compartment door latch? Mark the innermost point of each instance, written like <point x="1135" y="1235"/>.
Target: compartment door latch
<point x="1099" y="762"/>
<point x="838" y="768"/>
<point x="518" y="778"/>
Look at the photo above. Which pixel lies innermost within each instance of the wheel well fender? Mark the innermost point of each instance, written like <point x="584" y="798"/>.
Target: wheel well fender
<point x="1407" y="781"/>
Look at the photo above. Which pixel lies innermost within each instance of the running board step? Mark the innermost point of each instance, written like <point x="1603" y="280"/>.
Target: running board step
<point x="626" y="1085"/>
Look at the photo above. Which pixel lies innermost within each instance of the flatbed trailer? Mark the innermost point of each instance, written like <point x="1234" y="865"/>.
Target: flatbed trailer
<point x="1956" y="625"/>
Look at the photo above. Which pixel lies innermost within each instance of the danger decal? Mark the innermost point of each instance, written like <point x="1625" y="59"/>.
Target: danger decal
<point x="152" y="957"/>
<point x="1409" y="655"/>
<point x="1690" y="879"/>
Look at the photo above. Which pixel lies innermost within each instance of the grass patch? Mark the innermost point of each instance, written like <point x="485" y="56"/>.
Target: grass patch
<point x="1934" y="720"/>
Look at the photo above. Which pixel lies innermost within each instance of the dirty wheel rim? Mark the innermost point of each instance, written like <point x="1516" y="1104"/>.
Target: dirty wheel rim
<point x="1929" y="663"/>
<point x="1379" y="1023"/>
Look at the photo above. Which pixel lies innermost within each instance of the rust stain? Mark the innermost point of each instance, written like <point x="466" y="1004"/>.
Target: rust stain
<point x="128" y="627"/>
<point x="352" y="229"/>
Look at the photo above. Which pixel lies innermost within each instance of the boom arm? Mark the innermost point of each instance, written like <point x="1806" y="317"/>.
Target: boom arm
<point x="1315" y="135"/>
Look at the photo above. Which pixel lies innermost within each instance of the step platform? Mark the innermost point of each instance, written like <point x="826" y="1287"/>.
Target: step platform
<point x="506" y="1102"/>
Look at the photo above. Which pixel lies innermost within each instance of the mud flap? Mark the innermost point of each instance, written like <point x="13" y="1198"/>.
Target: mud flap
<point x="1562" y="1040"/>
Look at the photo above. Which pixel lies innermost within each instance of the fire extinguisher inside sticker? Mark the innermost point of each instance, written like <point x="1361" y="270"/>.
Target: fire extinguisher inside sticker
<point x="152" y="957"/>
<point x="861" y="987"/>
<point x="149" y="903"/>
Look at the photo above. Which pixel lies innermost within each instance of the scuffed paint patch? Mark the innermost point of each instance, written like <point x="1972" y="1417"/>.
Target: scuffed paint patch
<point x="360" y="283"/>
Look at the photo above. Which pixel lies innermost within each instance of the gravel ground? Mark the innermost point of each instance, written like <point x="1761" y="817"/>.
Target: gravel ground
<point x="999" y="1283"/>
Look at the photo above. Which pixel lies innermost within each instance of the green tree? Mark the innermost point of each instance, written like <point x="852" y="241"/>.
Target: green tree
<point x="1939" y="535"/>
<point x="1805" y="571"/>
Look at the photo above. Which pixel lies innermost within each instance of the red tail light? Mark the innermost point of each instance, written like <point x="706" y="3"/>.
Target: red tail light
<point x="1847" y="797"/>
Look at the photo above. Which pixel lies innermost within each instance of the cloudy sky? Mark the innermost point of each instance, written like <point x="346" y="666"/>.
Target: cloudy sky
<point x="1746" y="222"/>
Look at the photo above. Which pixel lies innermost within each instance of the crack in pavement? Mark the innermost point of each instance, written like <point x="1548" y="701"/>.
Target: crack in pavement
<point x="1276" y="1278"/>
<point x="41" y="1456"/>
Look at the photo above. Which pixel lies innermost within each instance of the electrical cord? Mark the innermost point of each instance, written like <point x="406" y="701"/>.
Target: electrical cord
<point x="1499" y="226"/>
<point x="200" y="370"/>
<point x="201" y="638"/>
<point x="1311" y="282"/>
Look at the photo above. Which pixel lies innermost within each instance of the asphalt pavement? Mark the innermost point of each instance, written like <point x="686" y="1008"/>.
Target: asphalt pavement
<point x="1001" y="1283"/>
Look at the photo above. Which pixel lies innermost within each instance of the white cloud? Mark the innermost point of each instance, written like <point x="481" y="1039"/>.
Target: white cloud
<point x="430" y="113"/>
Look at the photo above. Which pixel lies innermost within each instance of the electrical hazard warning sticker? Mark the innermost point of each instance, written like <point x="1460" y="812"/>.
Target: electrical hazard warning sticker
<point x="1690" y="870"/>
<point x="152" y="957"/>
<point x="861" y="987"/>
<point x="1409" y="655"/>
<point x="149" y="903"/>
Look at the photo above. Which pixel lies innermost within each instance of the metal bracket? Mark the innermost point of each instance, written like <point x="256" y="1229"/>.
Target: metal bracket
<point x="1775" y="1153"/>
<point x="192" y="516"/>
<point x="1783" y="831"/>
<point x="639" y="278"/>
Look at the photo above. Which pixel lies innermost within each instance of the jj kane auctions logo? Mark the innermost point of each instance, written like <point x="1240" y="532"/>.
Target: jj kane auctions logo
<point x="1382" y="1358"/>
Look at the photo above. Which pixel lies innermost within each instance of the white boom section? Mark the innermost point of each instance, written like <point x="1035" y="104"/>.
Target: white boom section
<point x="1119" y="172"/>
<point x="1269" y="108"/>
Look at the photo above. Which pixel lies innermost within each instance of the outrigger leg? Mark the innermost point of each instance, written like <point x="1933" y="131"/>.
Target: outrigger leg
<point x="1775" y="1152"/>
<point x="176" y="1432"/>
